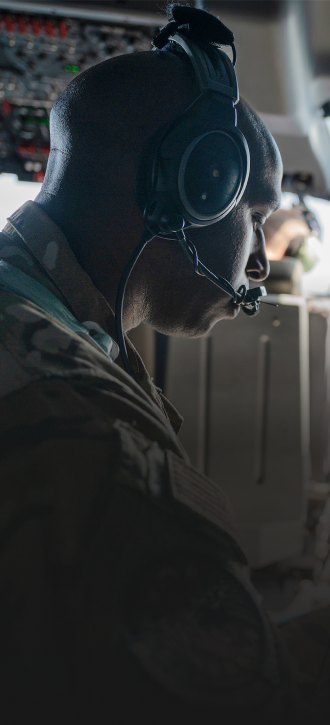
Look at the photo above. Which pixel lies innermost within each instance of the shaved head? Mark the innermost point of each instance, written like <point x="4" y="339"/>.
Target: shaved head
<point x="120" y="103"/>
<point x="117" y="105"/>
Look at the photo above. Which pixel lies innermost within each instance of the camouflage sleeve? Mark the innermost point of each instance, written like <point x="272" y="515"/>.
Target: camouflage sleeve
<point x="119" y="594"/>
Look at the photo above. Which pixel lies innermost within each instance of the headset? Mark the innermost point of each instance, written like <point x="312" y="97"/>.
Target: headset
<point x="194" y="170"/>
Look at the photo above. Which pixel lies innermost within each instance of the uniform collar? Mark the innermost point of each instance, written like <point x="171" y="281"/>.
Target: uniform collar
<point x="51" y="250"/>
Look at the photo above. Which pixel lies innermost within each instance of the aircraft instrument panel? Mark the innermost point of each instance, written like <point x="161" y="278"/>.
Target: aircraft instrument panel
<point x="39" y="56"/>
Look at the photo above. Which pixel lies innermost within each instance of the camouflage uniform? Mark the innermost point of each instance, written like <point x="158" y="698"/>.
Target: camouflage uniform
<point x="124" y="588"/>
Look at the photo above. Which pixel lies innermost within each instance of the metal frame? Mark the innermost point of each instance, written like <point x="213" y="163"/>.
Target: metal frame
<point x="112" y="16"/>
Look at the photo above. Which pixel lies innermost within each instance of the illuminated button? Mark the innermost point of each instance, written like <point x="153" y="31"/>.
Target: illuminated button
<point x="204" y="196"/>
<point x="39" y="176"/>
<point x="27" y="149"/>
<point x="63" y="29"/>
<point x="36" y="26"/>
<point x="49" y="28"/>
<point x="10" y="25"/>
<point x="215" y="173"/>
<point x="6" y="108"/>
<point x="22" y="25"/>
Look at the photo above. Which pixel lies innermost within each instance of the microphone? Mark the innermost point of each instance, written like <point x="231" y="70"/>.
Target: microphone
<point x="173" y="224"/>
<point x="249" y="300"/>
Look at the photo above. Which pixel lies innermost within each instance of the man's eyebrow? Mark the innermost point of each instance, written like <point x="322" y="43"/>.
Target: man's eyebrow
<point x="275" y="205"/>
<point x="272" y="203"/>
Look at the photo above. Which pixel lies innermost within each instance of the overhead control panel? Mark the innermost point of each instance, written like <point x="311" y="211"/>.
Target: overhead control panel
<point x="39" y="56"/>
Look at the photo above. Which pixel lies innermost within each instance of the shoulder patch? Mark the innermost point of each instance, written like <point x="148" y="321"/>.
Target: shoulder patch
<point x="202" y="495"/>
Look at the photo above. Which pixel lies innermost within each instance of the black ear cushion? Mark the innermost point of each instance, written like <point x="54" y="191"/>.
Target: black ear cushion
<point x="144" y="171"/>
<point x="212" y="176"/>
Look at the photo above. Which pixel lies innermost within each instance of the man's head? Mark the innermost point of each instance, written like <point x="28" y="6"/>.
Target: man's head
<point x="99" y="128"/>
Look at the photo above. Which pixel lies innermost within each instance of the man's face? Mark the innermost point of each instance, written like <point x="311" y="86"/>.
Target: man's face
<point x="183" y="303"/>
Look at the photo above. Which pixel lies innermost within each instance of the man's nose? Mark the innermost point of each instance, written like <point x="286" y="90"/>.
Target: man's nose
<point x="257" y="267"/>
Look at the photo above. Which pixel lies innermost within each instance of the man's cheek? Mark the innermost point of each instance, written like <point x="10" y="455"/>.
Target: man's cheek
<point x="248" y="243"/>
<point x="242" y="252"/>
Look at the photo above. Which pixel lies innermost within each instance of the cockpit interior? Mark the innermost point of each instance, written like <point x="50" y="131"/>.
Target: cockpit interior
<point x="254" y="392"/>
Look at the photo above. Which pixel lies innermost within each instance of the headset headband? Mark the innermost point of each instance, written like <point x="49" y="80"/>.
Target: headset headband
<point x="206" y="75"/>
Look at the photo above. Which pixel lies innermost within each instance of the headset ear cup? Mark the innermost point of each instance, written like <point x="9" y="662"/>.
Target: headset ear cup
<point x="212" y="175"/>
<point x="172" y="141"/>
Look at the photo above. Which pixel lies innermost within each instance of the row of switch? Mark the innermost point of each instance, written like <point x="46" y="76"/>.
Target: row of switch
<point x="32" y="149"/>
<point x="13" y="23"/>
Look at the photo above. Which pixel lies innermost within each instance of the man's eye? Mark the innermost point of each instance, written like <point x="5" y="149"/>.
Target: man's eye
<point x="258" y="221"/>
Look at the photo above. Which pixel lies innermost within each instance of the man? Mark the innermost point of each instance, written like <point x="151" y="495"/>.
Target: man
<point x="117" y="602"/>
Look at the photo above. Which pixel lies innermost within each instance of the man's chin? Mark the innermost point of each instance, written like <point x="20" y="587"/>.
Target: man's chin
<point x="229" y="312"/>
<point x="232" y="310"/>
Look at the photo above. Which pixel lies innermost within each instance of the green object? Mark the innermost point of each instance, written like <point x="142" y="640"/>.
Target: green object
<point x="306" y="256"/>
<point x="72" y="68"/>
<point x="13" y="280"/>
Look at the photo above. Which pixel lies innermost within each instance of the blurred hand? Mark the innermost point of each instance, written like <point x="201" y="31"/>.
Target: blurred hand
<point x="281" y="228"/>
